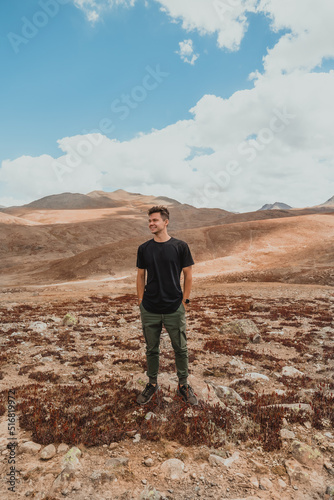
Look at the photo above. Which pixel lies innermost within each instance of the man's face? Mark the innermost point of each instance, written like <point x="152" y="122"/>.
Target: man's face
<point x="156" y="223"/>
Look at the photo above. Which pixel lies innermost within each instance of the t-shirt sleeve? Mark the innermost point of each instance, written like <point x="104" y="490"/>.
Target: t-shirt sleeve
<point x="140" y="259"/>
<point x="186" y="259"/>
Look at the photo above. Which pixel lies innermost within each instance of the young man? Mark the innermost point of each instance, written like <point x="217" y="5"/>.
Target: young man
<point x="162" y="302"/>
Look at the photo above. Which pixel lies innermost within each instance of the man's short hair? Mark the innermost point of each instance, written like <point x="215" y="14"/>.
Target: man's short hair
<point x="161" y="209"/>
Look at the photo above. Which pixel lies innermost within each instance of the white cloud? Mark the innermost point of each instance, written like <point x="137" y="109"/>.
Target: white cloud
<point x="94" y="8"/>
<point x="270" y="143"/>
<point x="310" y="38"/>
<point x="186" y="52"/>
<point x="225" y="18"/>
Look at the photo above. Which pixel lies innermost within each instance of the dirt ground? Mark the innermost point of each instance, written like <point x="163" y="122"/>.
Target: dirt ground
<point x="73" y="361"/>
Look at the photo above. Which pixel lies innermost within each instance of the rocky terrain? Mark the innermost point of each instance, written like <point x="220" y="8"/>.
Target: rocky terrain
<point x="72" y="358"/>
<point x="261" y="363"/>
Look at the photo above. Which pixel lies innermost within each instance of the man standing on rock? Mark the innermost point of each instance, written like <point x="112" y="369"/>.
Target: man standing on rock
<point x="162" y="302"/>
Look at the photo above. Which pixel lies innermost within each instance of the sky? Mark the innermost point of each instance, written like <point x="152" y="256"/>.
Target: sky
<point x="215" y="103"/>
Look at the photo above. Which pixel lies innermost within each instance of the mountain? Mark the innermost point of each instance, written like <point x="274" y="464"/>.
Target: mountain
<point x="328" y="203"/>
<point x="275" y="206"/>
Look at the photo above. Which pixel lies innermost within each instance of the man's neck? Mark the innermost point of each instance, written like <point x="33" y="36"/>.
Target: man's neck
<point x="161" y="237"/>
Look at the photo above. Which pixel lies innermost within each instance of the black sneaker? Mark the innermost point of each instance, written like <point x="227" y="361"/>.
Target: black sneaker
<point x="147" y="394"/>
<point x="187" y="394"/>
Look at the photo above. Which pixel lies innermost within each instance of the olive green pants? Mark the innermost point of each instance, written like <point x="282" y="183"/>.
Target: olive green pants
<point x="175" y="324"/>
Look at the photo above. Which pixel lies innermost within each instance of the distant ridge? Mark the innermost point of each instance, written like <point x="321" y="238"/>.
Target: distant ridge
<point x="71" y="201"/>
<point x="275" y="206"/>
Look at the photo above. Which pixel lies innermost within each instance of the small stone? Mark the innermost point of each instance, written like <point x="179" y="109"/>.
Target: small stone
<point x="148" y="462"/>
<point x="30" y="447"/>
<point x="254" y="482"/>
<point x="330" y="490"/>
<point x="117" y="462"/>
<point x="150" y="415"/>
<point x="282" y="484"/>
<point x="286" y="434"/>
<point x="173" y="468"/>
<point x="228" y="393"/>
<point x="216" y="460"/>
<point x="266" y="483"/>
<point x="113" y="446"/>
<point x="144" y="481"/>
<point x="71" y="459"/>
<point x="48" y="452"/>
<point x="290" y="371"/>
<point x="62" y="448"/>
<point x="136" y="438"/>
<point x="38" y="326"/>
<point x="257" y="339"/>
<point x="256" y="376"/>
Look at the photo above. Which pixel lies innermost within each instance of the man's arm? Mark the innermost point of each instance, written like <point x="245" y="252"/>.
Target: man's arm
<point x="188" y="279"/>
<point x="140" y="284"/>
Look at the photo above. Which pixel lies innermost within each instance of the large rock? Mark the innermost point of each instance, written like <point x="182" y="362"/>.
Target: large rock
<point x="245" y="328"/>
<point x="173" y="468"/>
<point x="296" y="472"/>
<point x="307" y="455"/>
<point x="228" y="393"/>
<point x="71" y="460"/>
<point x="30" y="447"/>
<point x="48" y="452"/>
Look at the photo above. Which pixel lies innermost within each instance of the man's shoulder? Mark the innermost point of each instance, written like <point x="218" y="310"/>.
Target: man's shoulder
<point x="144" y="245"/>
<point x="177" y="242"/>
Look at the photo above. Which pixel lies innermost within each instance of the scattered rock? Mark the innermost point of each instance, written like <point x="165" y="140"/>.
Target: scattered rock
<point x="307" y="455"/>
<point x="256" y="376"/>
<point x="295" y="471"/>
<point x="173" y="468"/>
<point x="48" y="452"/>
<point x="30" y="447"/>
<point x="254" y="482"/>
<point x="150" y="494"/>
<point x="266" y="483"/>
<point x="38" y="326"/>
<point x="148" y="462"/>
<point x="228" y="393"/>
<point x="282" y="484"/>
<point x="136" y="438"/>
<point x="71" y="459"/>
<point x="216" y="460"/>
<point x="257" y="339"/>
<point x="62" y="448"/>
<point x="117" y="462"/>
<point x="286" y="434"/>
<point x="245" y="328"/>
<point x="290" y="371"/>
<point x="69" y="320"/>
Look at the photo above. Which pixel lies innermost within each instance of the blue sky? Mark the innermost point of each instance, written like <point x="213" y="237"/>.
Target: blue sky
<point x="63" y="82"/>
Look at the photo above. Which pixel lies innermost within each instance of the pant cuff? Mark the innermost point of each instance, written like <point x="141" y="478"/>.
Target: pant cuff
<point x="183" y="381"/>
<point x="152" y="380"/>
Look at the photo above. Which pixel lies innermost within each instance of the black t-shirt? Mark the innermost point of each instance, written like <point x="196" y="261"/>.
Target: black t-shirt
<point x="164" y="263"/>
